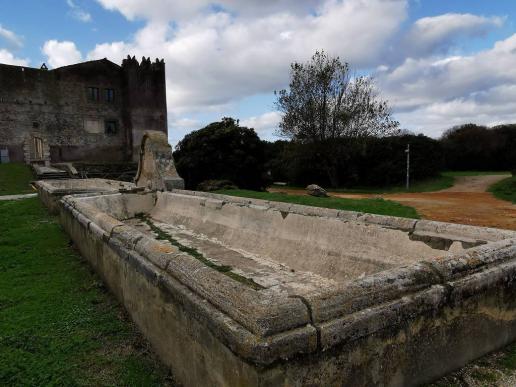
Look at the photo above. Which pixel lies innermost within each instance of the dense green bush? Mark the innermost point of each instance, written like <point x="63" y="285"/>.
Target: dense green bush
<point x="275" y="157"/>
<point x="225" y="151"/>
<point x="221" y="151"/>
<point x="473" y="147"/>
<point x="215" y="185"/>
<point x="359" y="162"/>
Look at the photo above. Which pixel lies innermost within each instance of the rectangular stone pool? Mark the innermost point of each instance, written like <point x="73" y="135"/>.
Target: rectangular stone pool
<point x="233" y="291"/>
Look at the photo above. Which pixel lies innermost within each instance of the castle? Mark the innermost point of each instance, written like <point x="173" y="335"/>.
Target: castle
<point x="95" y="111"/>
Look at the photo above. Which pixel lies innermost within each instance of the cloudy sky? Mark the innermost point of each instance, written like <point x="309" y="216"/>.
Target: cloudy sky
<point x="439" y="62"/>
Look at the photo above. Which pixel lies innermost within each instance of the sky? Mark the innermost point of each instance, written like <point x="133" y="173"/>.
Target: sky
<point x="439" y="63"/>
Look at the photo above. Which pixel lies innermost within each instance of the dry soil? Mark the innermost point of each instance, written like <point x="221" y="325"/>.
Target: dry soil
<point x="467" y="202"/>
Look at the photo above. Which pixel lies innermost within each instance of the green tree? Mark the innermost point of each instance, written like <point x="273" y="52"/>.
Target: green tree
<point x="469" y="147"/>
<point x="324" y="103"/>
<point x="221" y="151"/>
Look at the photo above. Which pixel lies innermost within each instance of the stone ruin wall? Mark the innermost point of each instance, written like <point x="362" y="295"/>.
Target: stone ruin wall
<point x="54" y="105"/>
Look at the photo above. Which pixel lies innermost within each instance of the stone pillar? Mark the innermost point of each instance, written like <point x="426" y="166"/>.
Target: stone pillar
<point x="156" y="169"/>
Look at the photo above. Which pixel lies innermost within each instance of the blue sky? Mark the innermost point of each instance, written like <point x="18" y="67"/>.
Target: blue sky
<point x="440" y="63"/>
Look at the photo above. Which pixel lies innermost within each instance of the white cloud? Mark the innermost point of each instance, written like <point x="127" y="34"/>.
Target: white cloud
<point x="11" y="38"/>
<point x="7" y="57"/>
<point x="213" y="59"/>
<point x="78" y="13"/>
<point x="61" y="53"/>
<point x="179" y="127"/>
<point x="217" y="55"/>
<point x="435" y="94"/>
<point x="186" y="123"/>
<point x="437" y="33"/>
<point x="265" y="123"/>
<point x="166" y="10"/>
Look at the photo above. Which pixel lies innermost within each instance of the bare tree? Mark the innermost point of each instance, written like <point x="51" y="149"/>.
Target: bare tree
<point x="325" y="102"/>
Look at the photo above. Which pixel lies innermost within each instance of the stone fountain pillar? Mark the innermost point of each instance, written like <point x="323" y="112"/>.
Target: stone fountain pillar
<point x="156" y="169"/>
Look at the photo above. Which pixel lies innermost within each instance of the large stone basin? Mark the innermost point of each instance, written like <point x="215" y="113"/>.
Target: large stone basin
<point x="239" y="292"/>
<point x="50" y="191"/>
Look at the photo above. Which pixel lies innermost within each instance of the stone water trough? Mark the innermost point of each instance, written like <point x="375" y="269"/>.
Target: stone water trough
<point x="240" y="292"/>
<point x="51" y="191"/>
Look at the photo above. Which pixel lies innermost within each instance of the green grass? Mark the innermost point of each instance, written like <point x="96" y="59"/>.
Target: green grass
<point x="445" y="180"/>
<point x="15" y="179"/>
<point x="508" y="358"/>
<point x="373" y="206"/>
<point x="428" y="185"/>
<point x="488" y="370"/>
<point x="58" y="324"/>
<point x="474" y="173"/>
<point x="505" y="189"/>
<point x="484" y="375"/>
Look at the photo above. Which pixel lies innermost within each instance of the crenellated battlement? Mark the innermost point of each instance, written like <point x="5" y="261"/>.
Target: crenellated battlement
<point x="146" y="98"/>
<point x="145" y="64"/>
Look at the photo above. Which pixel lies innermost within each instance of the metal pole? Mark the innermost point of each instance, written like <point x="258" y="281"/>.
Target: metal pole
<point x="407" y="151"/>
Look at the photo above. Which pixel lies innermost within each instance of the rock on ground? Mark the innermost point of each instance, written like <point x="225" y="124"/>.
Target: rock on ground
<point x="315" y="190"/>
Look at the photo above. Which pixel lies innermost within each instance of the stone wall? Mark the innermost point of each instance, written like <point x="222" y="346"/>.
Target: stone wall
<point x="56" y="105"/>
<point x="145" y="97"/>
<point x="404" y="326"/>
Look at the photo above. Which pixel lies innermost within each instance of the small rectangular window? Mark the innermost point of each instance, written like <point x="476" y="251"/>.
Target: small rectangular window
<point x="93" y="126"/>
<point x="93" y="94"/>
<point x="109" y="95"/>
<point x="111" y="127"/>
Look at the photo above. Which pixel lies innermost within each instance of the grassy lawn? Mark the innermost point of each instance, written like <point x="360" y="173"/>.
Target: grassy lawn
<point x="445" y="180"/>
<point x="474" y="173"/>
<point x="15" y="179"/>
<point x="58" y="324"/>
<point x="505" y="189"/>
<point x="373" y="206"/>
<point x="428" y="185"/>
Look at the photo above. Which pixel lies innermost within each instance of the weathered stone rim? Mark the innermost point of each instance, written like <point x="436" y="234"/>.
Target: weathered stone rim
<point x="325" y="318"/>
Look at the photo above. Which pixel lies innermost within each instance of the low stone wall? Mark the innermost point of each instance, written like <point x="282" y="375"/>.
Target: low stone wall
<point x="399" y="327"/>
<point x="51" y="191"/>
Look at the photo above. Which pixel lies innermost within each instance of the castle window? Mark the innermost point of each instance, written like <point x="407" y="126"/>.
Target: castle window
<point x="111" y="127"/>
<point x="93" y="94"/>
<point x="109" y="95"/>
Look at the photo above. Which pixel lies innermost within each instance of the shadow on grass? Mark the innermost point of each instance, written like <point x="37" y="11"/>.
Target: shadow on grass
<point x="15" y="179"/>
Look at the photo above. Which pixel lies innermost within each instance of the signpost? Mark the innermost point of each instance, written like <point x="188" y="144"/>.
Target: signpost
<point x="407" y="151"/>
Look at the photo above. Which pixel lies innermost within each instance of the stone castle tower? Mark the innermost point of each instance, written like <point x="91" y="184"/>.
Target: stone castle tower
<point x="145" y="99"/>
<point x="94" y="111"/>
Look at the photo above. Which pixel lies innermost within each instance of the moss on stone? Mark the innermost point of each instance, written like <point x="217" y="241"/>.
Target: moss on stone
<point x="224" y="269"/>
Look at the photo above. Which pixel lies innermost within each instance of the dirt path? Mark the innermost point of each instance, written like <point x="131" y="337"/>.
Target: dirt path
<point x="474" y="183"/>
<point x="467" y="202"/>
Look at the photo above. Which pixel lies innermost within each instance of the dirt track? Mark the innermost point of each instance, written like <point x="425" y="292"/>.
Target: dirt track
<point x="466" y="202"/>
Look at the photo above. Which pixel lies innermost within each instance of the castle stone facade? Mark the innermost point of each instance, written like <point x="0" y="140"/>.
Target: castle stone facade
<point x="94" y="111"/>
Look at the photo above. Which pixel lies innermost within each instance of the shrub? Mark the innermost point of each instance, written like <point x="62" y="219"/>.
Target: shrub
<point x="215" y="185"/>
<point x="362" y="162"/>
<point x="473" y="147"/>
<point x="221" y="151"/>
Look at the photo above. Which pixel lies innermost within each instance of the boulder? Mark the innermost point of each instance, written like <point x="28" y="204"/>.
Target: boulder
<point x="315" y="190"/>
